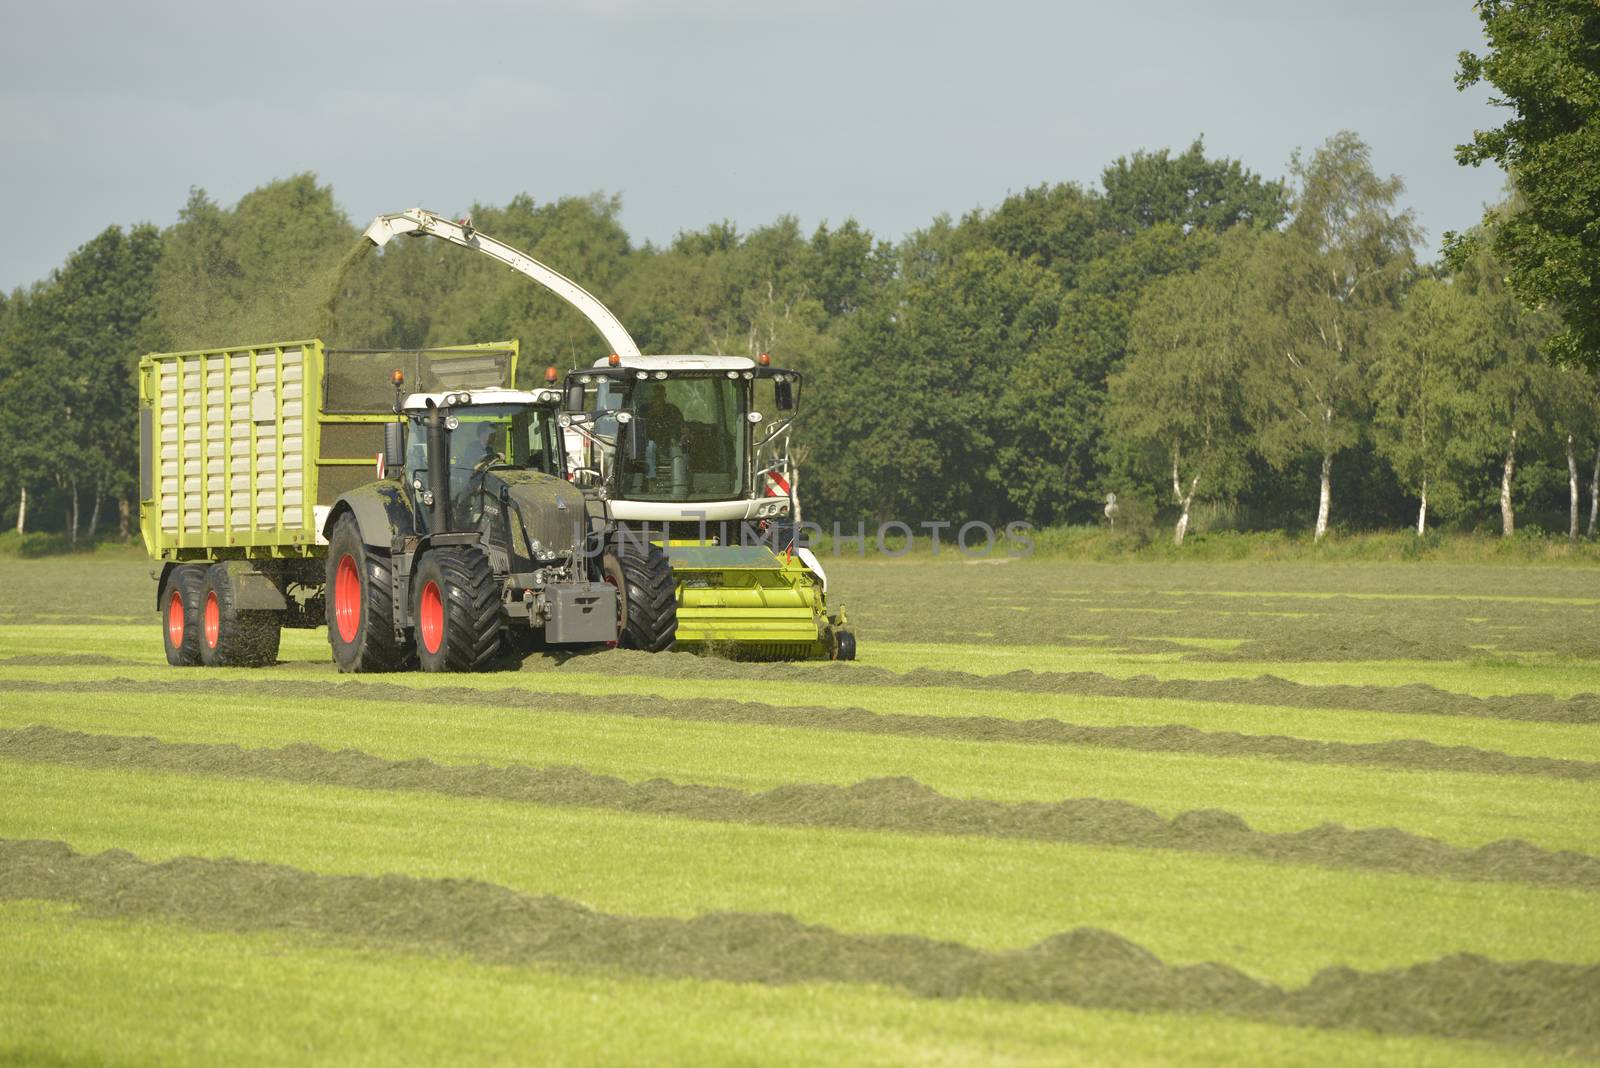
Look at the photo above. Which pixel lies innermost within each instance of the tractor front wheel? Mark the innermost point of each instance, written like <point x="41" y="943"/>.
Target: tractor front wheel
<point x="455" y="609"/>
<point x="181" y="600"/>
<point x="360" y="604"/>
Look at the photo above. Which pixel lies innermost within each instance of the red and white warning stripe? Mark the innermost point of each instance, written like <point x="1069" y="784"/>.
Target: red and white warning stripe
<point x="777" y="485"/>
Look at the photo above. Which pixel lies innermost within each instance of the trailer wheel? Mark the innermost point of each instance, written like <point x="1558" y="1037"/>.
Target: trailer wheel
<point x="359" y="604"/>
<point x="456" y="610"/>
<point x="648" y="617"/>
<point x="180" y="614"/>
<point x="230" y="636"/>
<point x="844" y="646"/>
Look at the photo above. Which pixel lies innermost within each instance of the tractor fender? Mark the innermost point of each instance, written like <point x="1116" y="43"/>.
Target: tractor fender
<point x="383" y="514"/>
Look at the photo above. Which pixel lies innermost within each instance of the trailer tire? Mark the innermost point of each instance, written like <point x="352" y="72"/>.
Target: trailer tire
<point x="648" y="616"/>
<point x="231" y="636"/>
<point x="180" y="614"/>
<point x="455" y="608"/>
<point x="359" y="604"/>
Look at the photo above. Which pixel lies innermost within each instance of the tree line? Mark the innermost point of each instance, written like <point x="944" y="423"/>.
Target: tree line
<point x="1186" y="331"/>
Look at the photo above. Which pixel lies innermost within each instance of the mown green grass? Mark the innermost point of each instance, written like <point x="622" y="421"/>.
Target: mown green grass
<point x="81" y="992"/>
<point x="1270" y="794"/>
<point x="76" y="990"/>
<point x="1482" y="677"/>
<point x="589" y="676"/>
<point x="1278" y="922"/>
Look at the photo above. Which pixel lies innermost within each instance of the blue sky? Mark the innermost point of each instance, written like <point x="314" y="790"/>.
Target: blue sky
<point x="699" y="110"/>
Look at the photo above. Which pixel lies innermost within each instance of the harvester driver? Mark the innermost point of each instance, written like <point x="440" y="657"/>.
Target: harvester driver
<point x="663" y="425"/>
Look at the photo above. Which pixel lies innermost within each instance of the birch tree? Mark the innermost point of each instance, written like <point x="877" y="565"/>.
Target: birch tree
<point x="1176" y="408"/>
<point x="1511" y="399"/>
<point x="1328" y="283"/>
<point x="1424" y="379"/>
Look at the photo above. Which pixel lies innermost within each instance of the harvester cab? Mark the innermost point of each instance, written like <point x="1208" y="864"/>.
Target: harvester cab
<point x="692" y="452"/>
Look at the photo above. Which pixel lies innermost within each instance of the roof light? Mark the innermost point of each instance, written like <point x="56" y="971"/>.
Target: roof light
<point x="615" y="361"/>
<point x="550" y="373"/>
<point x="764" y="360"/>
<point x="661" y="374"/>
<point x="398" y="377"/>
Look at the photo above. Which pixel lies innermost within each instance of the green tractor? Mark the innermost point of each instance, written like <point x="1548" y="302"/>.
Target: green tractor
<point x="442" y="532"/>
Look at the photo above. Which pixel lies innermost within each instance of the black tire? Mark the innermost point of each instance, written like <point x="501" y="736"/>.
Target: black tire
<point x="180" y="614"/>
<point x="647" y="616"/>
<point x="455" y="610"/>
<point x="844" y="645"/>
<point x="360" y="606"/>
<point x="229" y="636"/>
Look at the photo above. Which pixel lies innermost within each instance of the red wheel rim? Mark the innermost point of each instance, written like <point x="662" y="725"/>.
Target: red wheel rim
<point x="213" y="619"/>
<point x="430" y="617"/>
<point x="347" y="599"/>
<point x="175" y="620"/>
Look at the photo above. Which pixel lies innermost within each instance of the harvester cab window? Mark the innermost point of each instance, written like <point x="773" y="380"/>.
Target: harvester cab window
<point x="695" y="436"/>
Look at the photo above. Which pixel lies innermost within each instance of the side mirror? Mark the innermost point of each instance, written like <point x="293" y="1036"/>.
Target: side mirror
<point x="394" y="449"/>
<point x="574" y="401"/>
<point x="783" y="393"/>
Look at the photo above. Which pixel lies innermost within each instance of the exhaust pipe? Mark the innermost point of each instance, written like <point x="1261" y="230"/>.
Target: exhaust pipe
<point x="439" y="469"/>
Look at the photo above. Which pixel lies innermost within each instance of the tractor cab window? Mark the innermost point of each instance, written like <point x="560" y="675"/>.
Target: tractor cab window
<point x="694" y="439"/>
<point x="484" y="438"/>
<point x="536" y="442"/>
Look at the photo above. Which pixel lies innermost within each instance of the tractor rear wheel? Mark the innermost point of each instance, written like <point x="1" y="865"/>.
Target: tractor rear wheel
<point x="360" y="604"/>
<point x="181" y="599"/>
<point x="455" y="608"/>
<point x="231" y="636"/>
<point x="647" y="618"/>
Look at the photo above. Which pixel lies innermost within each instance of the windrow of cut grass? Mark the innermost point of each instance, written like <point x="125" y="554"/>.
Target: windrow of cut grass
<point x="1543" y="1003"/>
<point x="901" y="805"/>
<point x="1523" y="737"/>
<point x="1278" y="922"/>
<point x="1408" y="754"/>
<point x="77" y="990"/>
<point x="472" y="726"/>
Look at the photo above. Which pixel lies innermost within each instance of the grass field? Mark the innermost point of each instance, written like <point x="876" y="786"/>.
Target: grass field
<point x="1057" y="813"/>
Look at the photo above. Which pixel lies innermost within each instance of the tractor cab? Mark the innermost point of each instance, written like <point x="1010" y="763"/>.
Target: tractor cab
<point x="486" y="436"/>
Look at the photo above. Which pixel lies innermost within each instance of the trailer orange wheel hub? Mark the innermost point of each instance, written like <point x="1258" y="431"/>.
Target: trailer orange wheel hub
<point x="347" y="599"/>
<point x="430" y="617"/>
<point x="175" y="619"/>
<point x="213" y="619"/>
